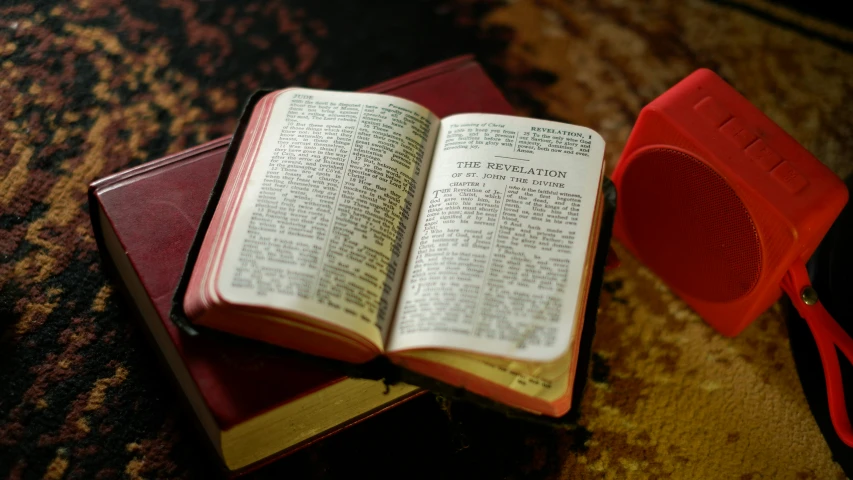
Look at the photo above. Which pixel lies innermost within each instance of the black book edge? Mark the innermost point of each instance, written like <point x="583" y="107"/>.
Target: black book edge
<point x="177" y="313"/>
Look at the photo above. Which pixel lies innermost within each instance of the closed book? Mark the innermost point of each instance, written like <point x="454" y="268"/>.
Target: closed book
<point x="254" y="403"/>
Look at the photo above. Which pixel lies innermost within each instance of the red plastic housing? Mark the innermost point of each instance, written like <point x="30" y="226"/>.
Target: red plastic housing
<point x="719" y="201"/>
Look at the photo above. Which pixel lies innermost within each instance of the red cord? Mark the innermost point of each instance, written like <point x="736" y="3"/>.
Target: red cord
<point x="828" y="335"/>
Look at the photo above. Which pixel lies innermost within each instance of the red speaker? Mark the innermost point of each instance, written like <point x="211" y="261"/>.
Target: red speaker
<point x="726" y="208"/>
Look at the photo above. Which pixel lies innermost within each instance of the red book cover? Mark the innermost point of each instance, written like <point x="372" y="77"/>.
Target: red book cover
<point x="155" y="209"/>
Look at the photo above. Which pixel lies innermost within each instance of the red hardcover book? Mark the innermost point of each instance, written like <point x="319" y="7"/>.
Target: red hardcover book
<point x="253" y="403"/>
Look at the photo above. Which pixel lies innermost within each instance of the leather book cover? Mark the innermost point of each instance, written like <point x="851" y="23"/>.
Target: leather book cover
<point x="156" y="208"/>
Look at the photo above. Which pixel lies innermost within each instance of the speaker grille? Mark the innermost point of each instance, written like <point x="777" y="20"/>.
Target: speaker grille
<point x="689" y="226"/>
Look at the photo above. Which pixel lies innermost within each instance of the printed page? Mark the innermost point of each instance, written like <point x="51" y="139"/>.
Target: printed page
<point x="326" y="219"/>
<point x="498" y="257"/>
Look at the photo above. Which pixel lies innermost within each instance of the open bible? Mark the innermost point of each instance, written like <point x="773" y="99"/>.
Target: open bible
<point x="355" y="225"/>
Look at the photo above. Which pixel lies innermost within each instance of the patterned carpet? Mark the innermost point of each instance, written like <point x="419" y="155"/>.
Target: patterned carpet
<point x="90" y="87"/>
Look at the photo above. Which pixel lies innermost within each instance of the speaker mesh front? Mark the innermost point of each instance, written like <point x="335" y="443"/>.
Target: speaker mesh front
<point x="689" y="226"/>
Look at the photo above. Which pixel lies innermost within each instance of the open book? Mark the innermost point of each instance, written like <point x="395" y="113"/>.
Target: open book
<point x="354" y="225"/>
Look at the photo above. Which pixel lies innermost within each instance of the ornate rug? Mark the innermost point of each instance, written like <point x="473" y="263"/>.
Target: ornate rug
<point x="90" y="87"/>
